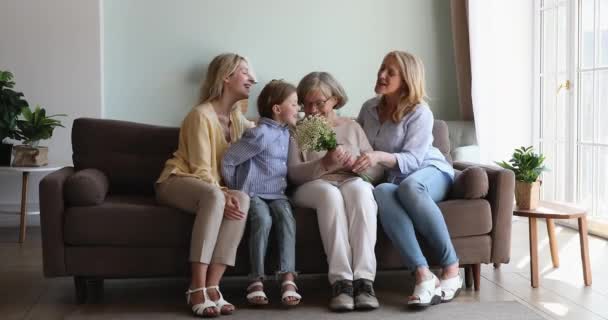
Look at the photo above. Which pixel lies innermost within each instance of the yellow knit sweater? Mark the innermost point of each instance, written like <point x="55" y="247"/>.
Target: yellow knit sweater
<point x="202" y="144"/>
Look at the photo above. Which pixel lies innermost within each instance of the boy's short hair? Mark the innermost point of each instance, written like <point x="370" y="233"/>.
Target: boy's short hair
<point x="274" y="92"/>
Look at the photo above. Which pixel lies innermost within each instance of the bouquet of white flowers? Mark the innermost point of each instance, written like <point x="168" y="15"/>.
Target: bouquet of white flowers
<point x="314" y="133"/>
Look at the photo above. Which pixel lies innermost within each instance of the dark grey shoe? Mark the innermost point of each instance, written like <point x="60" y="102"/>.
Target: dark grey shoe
<point x="365" y="297"/>
<point x="342" y="296"/>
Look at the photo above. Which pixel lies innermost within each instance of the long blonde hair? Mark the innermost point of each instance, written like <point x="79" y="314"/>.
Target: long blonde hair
<point x="221" y="67"/>
<point x="414" y="93"/>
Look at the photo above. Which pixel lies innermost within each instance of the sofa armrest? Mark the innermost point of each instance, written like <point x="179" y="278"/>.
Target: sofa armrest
<point x="501" y="197"/>
<point x="52" y="207"/>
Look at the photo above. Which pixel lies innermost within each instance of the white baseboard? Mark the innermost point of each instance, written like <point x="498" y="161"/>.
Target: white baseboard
<point x="15" y="208"/>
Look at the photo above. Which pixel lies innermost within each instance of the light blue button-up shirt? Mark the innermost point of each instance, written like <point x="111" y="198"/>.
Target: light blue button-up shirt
<point x="410" y="140"/>
<point x="257" y="163"/>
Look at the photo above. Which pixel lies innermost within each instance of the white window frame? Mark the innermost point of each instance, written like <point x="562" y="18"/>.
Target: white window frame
<point x="570" y="142"/>
<point x="574" y="73"/>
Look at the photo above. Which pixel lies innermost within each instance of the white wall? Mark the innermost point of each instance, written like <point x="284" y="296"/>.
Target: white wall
<point x="54" y="50"/>
<point x="155" y="51"/>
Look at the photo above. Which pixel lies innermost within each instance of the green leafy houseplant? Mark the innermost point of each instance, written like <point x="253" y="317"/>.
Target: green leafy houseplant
<point x="11" y="105"/>
<point x="36" y="126"/>
<point x="527" y="166"/>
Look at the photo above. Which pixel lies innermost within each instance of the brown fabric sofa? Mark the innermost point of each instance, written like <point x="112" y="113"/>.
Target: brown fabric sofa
<point x="129" y="235"/>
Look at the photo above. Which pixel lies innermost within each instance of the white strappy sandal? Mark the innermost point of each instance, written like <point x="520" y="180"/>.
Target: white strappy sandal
<point x="290" y="294"/>
<point x="221" y="303"/>
<point x="199" y="308"/>
<point x="251" y="296"/>
<point x="426" y="293"/>
<point x="450" y="288"/>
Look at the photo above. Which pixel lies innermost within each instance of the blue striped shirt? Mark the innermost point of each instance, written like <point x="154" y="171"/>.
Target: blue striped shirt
<point x="410" y="140"/>
<point x="257" y="163"/>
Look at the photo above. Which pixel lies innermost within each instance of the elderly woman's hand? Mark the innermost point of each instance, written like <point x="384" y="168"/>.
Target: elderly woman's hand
<point x="365" y="160"/>
<point x="338" y="159"/>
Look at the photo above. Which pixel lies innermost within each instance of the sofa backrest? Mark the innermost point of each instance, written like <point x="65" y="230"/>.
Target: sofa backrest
<point x="132" y="155"/>
<point x="441" y="138"/>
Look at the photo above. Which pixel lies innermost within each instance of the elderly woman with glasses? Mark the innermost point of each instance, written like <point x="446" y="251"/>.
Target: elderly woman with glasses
<point x="345" y="205"/>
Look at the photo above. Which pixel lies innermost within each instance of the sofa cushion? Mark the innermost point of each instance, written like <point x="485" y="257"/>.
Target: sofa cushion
<point x="128" y="221"/>
<point x="86" y="187"/>
<point x="466" y="218"/>
<point x="472" y="183"/>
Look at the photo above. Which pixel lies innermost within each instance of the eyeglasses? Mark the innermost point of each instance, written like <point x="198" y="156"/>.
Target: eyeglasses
<point x="317" y="104"/>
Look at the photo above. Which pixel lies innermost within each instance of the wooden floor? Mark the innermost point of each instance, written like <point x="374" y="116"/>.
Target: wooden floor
<point x="26" y="294"/>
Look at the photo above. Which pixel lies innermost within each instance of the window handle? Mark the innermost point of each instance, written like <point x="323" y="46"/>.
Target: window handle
<point x="565" y="85"/>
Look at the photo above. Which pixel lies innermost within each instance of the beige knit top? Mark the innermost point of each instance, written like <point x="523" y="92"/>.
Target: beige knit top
<point x="306" y="166"/>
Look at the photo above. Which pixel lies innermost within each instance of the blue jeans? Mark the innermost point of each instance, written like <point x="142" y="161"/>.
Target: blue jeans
<point x="410" y="208"/>
<point x="262" y="214"/>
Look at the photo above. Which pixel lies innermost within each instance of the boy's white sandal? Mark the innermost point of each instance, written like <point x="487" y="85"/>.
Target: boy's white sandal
<point x="199" y="308"/>
<point x="290" y="294"/>
<point x="426" y="293"/>
<point x="251" y="296"/>
<point x="450" y="288"/>
<point x="221" y="303"/>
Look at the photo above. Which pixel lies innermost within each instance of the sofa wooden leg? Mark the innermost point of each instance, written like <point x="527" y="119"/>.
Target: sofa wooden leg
<point x="80" y="286"/>
<point x="95" y="290"/>
<point x="476" y="275"/>
<point x="88" y="290"/>
<point x="468" y="276"/>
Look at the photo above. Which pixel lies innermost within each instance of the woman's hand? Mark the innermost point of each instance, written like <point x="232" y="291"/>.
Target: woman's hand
<point x="337" y="159"/>
<point x="232" y="208"/>
<point x="349" y="161"/>
<point x="366" y="160"/>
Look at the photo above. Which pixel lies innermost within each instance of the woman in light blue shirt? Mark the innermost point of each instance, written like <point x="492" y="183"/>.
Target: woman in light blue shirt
<point x="399" y="126"/>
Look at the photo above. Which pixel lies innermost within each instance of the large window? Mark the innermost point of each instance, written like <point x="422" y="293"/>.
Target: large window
<point x="572" y="99"/>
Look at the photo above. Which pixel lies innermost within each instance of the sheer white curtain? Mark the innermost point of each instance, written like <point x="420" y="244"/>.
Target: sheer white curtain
<point x="501" y="35"/>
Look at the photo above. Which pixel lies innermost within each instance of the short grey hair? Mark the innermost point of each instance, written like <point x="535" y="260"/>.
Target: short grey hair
<point x="324" y="82"/>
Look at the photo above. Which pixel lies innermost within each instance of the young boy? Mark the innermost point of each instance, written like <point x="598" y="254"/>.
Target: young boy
<point x="257" y="165"/>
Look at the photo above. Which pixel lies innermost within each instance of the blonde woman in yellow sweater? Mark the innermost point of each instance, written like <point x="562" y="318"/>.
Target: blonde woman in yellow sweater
<point x="191" y="180"/>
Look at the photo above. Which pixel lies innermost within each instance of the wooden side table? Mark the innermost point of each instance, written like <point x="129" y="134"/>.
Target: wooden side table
<point x="25" y="172"/>
<point x="550" y="211"/>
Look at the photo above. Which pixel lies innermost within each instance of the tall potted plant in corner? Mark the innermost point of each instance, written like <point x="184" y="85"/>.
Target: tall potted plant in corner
<point x="33" y="127"/>
<point x="527" y="167"/>
<point x="11" y="105"/>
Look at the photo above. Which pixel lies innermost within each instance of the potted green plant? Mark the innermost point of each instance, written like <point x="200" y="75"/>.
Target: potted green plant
<point x="527" y="167"/>
<point x="11" y="105"/>
<point x="33" y="127"/>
